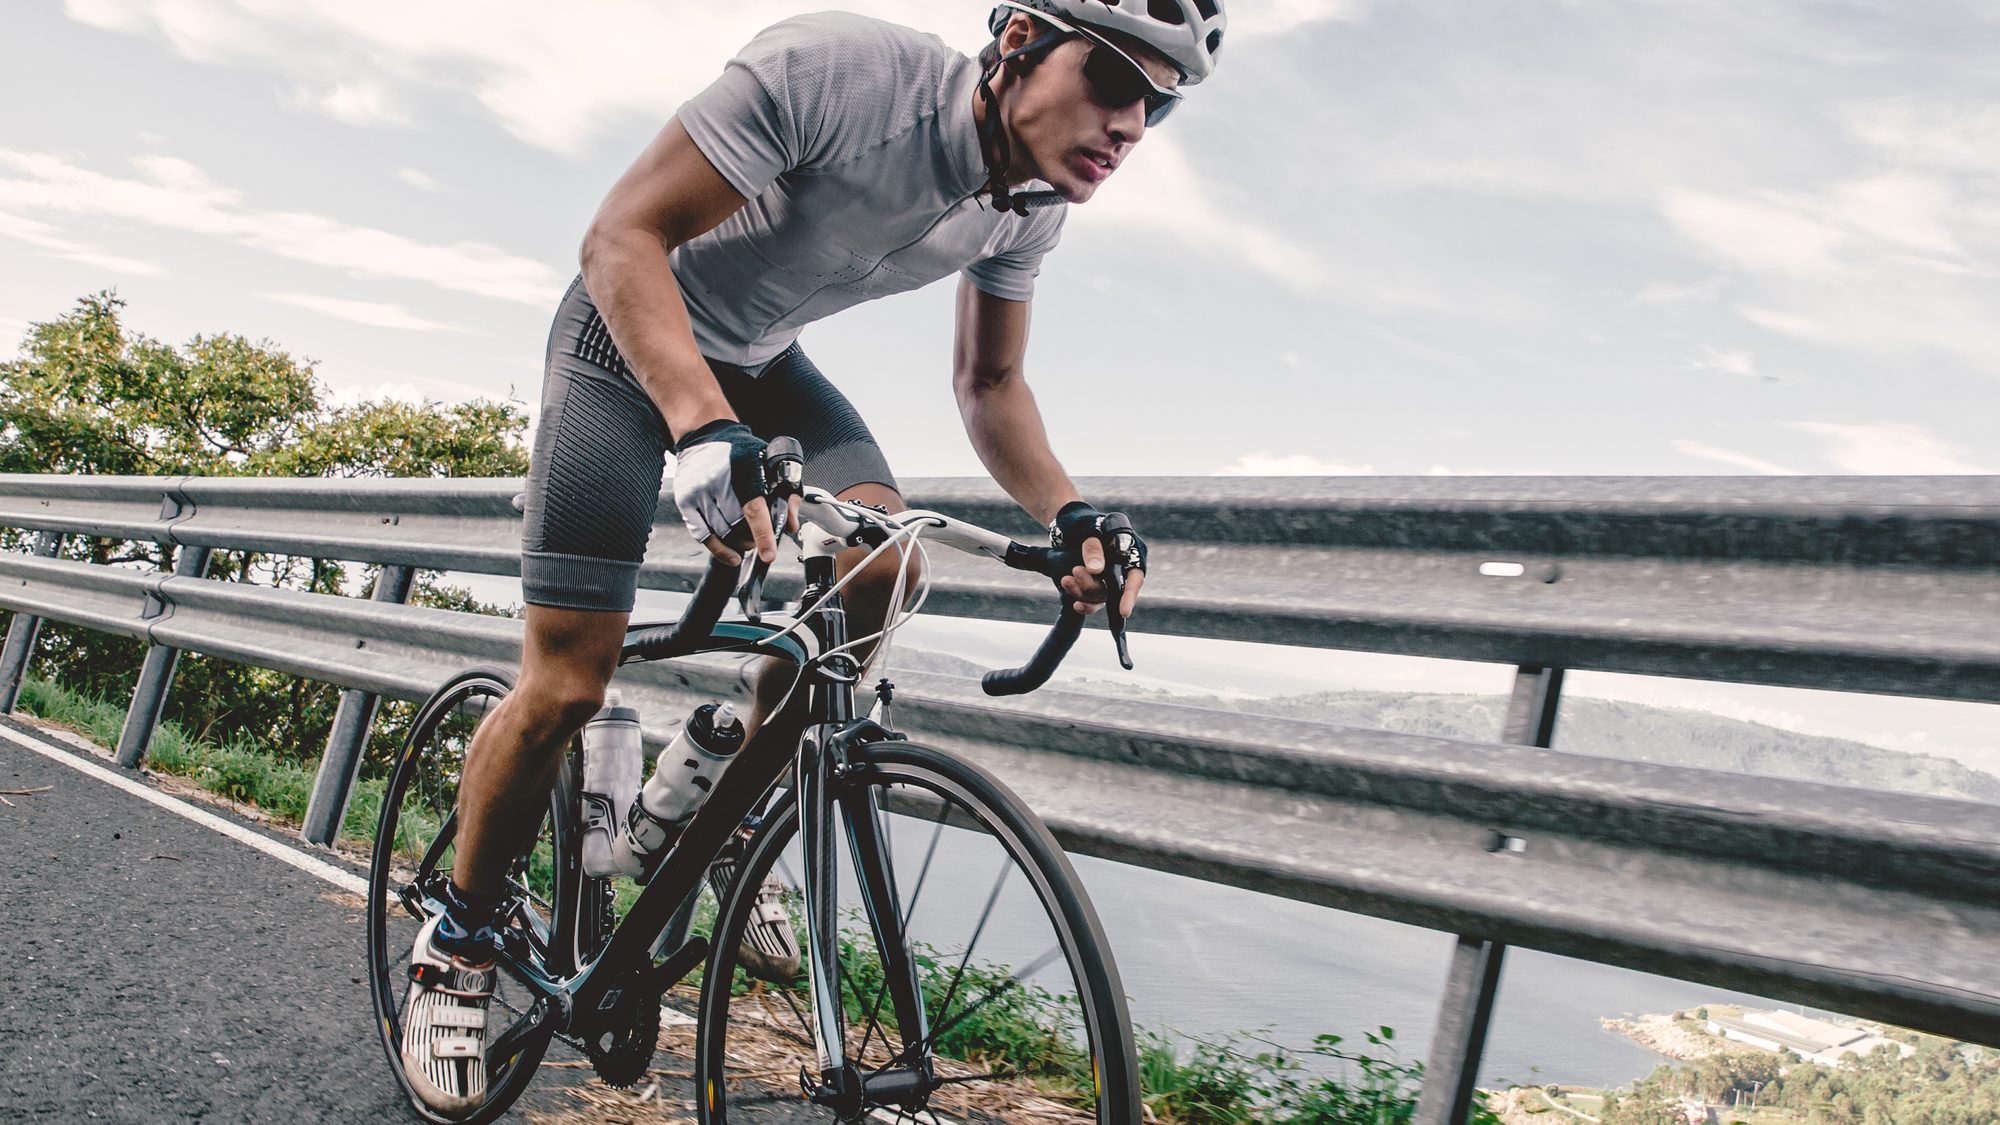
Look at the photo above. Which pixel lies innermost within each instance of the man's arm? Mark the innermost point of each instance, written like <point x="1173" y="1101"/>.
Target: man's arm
<point x="671" y="194"/>
<point x="1006" y="427"/>
<point x="668" y="196"/>
<point x="999" y="410"/>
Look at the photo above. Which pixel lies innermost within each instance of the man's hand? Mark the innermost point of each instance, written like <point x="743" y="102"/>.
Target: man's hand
<point x="719" y="486"/>
<point x="1079" y="523"/>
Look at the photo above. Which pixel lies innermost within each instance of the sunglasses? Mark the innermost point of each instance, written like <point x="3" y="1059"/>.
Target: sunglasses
<point x="1116" y="79"/>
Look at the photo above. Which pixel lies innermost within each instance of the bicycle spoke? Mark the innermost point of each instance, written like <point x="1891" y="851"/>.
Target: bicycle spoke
<point x="923" y="873"/>
<point x="963" y="1079"/>
<point x="805" y="1021"/>
<point x="1006" y="869"/>
<point x="1012" y="982"/>
<point x="874" y="1021"/>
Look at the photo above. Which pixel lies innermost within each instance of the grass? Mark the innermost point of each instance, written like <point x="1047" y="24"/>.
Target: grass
<point x="1201" y="1082"/>
<point x="239" y="769"/>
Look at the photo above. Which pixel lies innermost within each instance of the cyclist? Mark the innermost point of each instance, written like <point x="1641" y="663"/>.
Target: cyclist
<point x="837" y="159"/>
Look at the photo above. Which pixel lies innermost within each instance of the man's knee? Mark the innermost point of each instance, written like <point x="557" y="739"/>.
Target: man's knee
<point x="567" y="658"/>
<point x="554" y="707"/>
<point x="869" y="591"/>
<point x="875" y="584"/>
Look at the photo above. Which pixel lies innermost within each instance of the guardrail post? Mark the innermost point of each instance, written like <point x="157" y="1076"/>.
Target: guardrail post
<point x="349" y="736"/>
<point x="1472" y="982"/>
<point x="150" y="697"/>
<point x="21" y="634"/>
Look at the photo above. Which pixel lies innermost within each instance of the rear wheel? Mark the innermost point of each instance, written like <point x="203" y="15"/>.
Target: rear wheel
<point x="999" y="1002"/>
<point x="414" y="852"/>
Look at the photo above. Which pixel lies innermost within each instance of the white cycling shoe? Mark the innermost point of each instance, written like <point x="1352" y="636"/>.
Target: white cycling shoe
<point x="444" y="1027"/>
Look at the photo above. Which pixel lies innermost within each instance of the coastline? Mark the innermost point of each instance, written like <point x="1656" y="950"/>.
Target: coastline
<point x="1662" y="1035"/>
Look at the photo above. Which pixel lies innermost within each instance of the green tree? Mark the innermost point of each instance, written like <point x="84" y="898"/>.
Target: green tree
<point x="86" y="396"/>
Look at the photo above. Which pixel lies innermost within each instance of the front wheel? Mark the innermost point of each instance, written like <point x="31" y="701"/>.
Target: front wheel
<point x="998" y="1002"/>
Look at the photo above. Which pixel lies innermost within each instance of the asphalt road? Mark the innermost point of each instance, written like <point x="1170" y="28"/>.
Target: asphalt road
<point x="154" y="970"/>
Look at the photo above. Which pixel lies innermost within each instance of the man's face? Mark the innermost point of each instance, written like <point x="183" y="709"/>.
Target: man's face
<point x="1073" y="140"/>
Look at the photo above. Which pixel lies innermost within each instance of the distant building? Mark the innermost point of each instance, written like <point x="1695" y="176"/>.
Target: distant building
<point x="1691" y="1112"/>
<point x="1815" y="1040"/>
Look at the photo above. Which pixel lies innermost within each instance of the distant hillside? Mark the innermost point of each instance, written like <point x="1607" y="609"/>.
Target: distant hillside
<point x="1606" y="728"/>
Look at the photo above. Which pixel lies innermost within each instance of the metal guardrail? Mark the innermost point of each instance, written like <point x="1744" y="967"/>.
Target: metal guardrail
<point x="1882" y="905"/>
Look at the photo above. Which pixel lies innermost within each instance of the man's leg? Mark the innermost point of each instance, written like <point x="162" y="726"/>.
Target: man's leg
<point x="567" y="657"/>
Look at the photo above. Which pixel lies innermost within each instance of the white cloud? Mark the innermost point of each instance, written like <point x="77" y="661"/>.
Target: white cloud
<point x="1904" y="210"/>
<point x="1158" y="190"/>
<point x="1931" y="132"/>
<point x="178" y="196"/>
<point x="371" y="313"/>
<point x="1282" y="17"/>
<point x="359" y="103"/>
<point x="1728" y="362"/>
<point x="1732" y="458"/>
<point x="1887" y="448"/>
<point x="1267" y="464"/>
<point x="1777" y="321"/>
<point x="51" y="241"/>
<point x="419" y="180"/>
<point x="1668" y="293"/>
<point x="1762" y="234"/>
<point x="1891" y="263"/>
<point x="554" y="75"/>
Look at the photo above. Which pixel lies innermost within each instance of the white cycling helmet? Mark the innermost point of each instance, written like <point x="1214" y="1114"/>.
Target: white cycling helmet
<point x="1188" y="32"/>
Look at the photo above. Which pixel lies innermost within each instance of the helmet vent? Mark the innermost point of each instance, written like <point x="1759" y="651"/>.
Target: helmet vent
<point x="1166" y="11"/>
<point x="1215" y="41"/>
<point x="1207" y="10"/>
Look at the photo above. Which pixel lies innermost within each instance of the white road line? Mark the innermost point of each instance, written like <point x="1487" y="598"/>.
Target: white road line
<point x="345" y="880"/>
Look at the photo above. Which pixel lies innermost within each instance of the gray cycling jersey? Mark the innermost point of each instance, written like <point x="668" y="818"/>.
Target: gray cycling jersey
<point x="855" y="143"/>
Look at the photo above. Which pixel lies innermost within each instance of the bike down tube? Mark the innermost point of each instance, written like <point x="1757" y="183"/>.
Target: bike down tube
<point x="735" y="797"/>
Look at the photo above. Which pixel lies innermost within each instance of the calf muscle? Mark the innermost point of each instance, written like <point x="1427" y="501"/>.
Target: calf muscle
<point x="567" y="657"/>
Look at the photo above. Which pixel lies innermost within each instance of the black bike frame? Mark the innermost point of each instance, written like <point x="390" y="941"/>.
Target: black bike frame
<point x="595" y="999"/>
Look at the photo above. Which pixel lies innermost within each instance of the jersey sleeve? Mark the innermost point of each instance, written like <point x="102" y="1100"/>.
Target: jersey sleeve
<point x="1010" y="274"/>
<point x="735" y="124"/>
<point x="769" y="112"/>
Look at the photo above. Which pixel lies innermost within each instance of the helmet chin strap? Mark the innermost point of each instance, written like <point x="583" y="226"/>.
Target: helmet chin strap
<point x="994" y="145"/>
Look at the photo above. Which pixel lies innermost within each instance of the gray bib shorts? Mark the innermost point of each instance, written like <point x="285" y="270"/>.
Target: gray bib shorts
<point x="600" y="455"/>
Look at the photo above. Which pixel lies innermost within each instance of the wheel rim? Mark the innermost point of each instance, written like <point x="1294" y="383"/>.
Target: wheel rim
<point x="1001" y="952"/>
<point x="414" y="853"/>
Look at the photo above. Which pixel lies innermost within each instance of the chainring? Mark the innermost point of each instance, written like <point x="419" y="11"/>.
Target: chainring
<point x="621" y="1057"/>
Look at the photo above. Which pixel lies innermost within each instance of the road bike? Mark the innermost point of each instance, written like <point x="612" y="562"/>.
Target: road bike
<point x="953" y="969"/>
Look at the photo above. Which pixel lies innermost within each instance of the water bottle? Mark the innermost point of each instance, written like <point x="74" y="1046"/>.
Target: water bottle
<point x="613" y="764"/>
<point x="682" y="779"/>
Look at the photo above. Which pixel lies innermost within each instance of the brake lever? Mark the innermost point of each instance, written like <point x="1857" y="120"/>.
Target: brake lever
<point x="1122" y="553"/>
<point x="784" y="476"/>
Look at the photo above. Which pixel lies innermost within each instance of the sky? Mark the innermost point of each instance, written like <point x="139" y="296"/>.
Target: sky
<point x="1652" y="237"/>
<point x="1646" y="238"/>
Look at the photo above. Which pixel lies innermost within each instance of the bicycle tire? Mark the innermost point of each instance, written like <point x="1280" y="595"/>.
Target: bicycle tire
<point x="1086" y="1038"/>
<point x="413" y="850"/>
